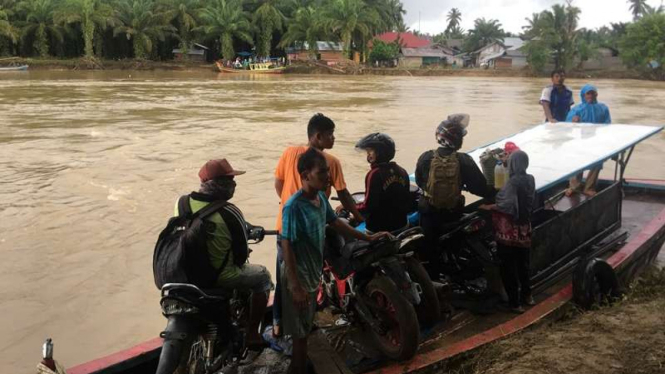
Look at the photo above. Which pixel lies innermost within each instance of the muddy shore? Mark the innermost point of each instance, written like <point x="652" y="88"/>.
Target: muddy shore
<point x="313" y="69"/>
<point x="627" y="337"/>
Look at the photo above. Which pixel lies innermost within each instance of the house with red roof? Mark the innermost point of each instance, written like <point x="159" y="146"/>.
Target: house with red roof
<point x="407" y="39"/>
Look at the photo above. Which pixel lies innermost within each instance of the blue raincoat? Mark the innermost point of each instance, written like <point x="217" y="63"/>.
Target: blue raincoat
<point x="590" y="113"/>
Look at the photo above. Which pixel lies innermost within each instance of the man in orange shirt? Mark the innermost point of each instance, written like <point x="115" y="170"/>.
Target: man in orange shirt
<point x="320" y="131"/>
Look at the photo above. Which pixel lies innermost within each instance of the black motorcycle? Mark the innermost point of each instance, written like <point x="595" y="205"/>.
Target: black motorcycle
<point x="206" y="327"/>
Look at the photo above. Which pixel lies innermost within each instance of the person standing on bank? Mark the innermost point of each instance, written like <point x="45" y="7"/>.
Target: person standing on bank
<point x="511" y="217"/>
<point x="556" y="99"/>
<point x="320" y="132"/>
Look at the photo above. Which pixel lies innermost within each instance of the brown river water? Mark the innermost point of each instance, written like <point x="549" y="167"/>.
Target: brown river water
<point x="91" y="164"/>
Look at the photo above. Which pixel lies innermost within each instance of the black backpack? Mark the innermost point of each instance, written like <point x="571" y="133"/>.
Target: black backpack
<point x="181" y="252"/>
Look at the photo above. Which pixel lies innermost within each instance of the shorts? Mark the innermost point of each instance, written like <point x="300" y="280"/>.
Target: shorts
<point x="255" y="278"/>
<point x="296" y="322"/>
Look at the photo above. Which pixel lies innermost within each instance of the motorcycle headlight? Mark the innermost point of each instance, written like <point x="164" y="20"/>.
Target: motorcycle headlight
<point x="176" y="307"/>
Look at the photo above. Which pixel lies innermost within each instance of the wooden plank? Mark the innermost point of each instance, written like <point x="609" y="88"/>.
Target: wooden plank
<point x="323" y="356"/>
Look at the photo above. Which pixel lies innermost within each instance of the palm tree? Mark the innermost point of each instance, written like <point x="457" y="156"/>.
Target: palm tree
<point x="184" y="13"/>
<point x="267" y="18"/>
<point x="484" y="33"/>
<point x="141" y="25"/>
<point x="348" y="19"/>
<point x="454" y="18"/>
<point x="225" y="19"/>
<point x="304" y="27"/>
<point x="92" y="14"/>
<point x="651" y="10"/>
<point x="6" y="28"/>
<point x="39" y="23"/>
<point x="637" y="7"/>
<point x="454" y="33"/>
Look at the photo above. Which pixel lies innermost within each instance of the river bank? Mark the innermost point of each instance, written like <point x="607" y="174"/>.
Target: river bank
<point x="309" y="69"/>
<point x="627" y="337"/>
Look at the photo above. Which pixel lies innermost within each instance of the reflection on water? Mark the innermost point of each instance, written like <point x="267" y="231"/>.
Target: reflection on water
<point x="91" y="164"/>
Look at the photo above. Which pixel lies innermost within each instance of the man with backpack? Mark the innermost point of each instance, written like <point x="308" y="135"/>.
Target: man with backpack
<point x="226" y="238"/>
<point x="442" y="174"/>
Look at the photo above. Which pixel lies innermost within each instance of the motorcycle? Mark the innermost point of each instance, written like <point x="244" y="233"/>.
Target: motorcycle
<point x="368" y="284"/>
<point x="205" y="328"/>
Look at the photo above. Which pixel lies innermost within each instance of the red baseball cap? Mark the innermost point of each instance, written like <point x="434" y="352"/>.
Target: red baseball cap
<point x="510" y="147"/>
<point x="217" y="168"/>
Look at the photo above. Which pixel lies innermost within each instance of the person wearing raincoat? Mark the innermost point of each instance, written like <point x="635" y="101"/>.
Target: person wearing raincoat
<point x="588" y="111"/>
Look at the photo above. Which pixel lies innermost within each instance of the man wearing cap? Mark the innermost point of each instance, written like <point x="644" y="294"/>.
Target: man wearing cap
<point x="230" y="230"/>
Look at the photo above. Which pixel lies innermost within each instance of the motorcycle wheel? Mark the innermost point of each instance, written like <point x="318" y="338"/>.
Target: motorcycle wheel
<point x="429" y="309"/>
<point x="396" y="315"/>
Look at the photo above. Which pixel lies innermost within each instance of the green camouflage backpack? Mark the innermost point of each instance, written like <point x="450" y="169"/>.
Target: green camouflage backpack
<point x="443" y="184"/>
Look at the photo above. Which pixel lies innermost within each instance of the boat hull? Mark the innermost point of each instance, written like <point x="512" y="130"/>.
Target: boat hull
<point x="278" y="70"/>
<point x="643" y="217"/>
<point x="14" y="68"/>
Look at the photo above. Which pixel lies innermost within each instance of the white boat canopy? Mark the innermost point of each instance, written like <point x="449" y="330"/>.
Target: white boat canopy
<point x="559" y="151"/>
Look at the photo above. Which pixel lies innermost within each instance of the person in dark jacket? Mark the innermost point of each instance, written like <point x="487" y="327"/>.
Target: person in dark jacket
<point x="387" y="199"/>
<point x="442" y="174"/>
<point x="511" y="217"/>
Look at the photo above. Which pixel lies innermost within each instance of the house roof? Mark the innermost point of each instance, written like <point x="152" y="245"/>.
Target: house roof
<point x="513" y="44"/>
<point x="454" y="43"/>
<point x="408" y="40"/>
<point x="422" y="52"/>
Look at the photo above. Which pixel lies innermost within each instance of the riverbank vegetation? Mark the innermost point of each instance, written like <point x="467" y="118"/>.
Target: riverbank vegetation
<point x="151" y="29"/>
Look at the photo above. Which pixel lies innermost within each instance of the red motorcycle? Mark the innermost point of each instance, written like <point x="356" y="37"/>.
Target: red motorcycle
<point x="368" y="283"/>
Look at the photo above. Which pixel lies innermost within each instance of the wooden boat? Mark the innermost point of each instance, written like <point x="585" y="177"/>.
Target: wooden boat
<point x="624" y="224"/>
<point x="14" y="68"/>
<point x="257" y="68"/>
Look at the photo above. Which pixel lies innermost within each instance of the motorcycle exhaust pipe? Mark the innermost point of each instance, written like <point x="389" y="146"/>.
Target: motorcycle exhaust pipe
<point x="178" y="329"/>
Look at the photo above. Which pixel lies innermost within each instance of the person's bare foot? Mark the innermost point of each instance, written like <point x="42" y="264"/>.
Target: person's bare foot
<point x="276" y="331"/>
<point x="590" y="193"/>
<point x="569" y="192"/>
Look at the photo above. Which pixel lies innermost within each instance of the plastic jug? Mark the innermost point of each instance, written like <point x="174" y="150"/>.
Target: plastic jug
<point x="500" y="175"/>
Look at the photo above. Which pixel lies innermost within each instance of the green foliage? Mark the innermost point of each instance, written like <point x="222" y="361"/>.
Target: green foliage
<point x="350" y="20"/>
<point x="39" y="24"/>
<point x="644" y="43"/>
<point x="267" y="18"/>
<point x="484" y="33"/>
<point x="226" y="20"/>
<point x="90" y="14"/>
<point x="537" y="55"/>
<point x="142" y="24"/>
<point x="637" y="8"/>
<point x="454" y="18"/>
<point x="382" y="51"/>
<point x="306" y="26"/>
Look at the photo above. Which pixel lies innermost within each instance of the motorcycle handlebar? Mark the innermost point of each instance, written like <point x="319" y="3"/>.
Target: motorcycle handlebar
<point x="271" y="232"/>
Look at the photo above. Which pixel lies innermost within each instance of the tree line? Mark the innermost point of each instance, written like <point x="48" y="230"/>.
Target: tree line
<point x="113" y="29"/>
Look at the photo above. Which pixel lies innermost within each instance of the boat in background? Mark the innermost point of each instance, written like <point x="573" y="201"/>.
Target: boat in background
<point x="14" y="68"/>
<point x="255" y="68"/>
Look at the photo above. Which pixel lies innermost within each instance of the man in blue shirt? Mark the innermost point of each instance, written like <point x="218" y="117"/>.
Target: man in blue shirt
<point x="304" y="218"/>
<point x="556" y="98"/>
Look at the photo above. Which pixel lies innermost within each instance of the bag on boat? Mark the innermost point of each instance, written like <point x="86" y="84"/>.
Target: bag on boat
<point x="181" y="252"/>
<point x="443" y="183"/>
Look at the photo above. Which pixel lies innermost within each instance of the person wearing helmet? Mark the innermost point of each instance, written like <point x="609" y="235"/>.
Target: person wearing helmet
<point x="387" y="199"/>
<point x="442" y="174"/>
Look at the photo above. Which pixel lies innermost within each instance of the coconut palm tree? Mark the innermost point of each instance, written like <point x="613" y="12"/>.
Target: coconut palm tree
<point x="349" y="19"/>
<point x="484" y="33"/>
<point x="226" y="20"/>
<point x="454" y="18"/>
<point x="267" y="19"/>
<point x="6" y="28"/>
<point x="651" y="10"/>
<point x="142" y="25"/>
<point x="637" y="8"/>
<point x="304" y="27"/>
<point x="93" y="15"/>
<point x="184" y="13"/>
<point x="39" y="23"/>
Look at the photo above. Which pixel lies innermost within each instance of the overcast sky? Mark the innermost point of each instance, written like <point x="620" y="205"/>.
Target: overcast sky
<point x="510" y="13"/>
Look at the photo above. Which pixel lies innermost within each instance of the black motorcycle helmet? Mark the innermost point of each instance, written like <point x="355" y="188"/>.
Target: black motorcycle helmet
<point x="382" y="144"/>
<point x="451" y="132"/>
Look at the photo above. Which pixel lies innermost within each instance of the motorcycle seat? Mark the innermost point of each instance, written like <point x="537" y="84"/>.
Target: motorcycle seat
<point x="355" y="249"/>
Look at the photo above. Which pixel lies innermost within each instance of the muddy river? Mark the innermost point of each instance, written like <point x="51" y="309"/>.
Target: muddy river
<point x="91" y="164"/>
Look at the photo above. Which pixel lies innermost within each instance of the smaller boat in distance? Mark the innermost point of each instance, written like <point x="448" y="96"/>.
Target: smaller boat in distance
<point x="255" y="68"/>
<point x="14" y="68"/>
